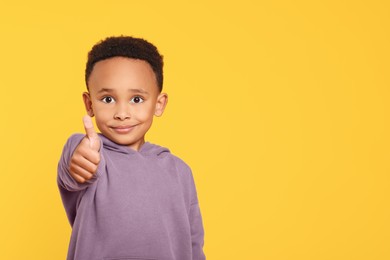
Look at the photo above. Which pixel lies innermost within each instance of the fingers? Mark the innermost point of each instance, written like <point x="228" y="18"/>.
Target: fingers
<point x="80" y="175"/>
<point x="88" y="125"/>
<point x="78" y="178"/>
<point x="91" y="133"/>
<point x="84" y="150"/>
<point x="82" y="169"/>
<point x="86" y="157"/>
<point x="84" y="162"/>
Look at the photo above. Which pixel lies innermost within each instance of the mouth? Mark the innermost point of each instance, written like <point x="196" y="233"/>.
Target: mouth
<point x="122" y="129"/>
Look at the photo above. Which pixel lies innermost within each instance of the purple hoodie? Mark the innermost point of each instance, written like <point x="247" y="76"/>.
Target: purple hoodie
<point x="139" y="205"/>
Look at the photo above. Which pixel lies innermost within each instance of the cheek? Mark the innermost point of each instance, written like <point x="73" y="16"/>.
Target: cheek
<point x="145" y="113"/>
<point x="101" y="113"/>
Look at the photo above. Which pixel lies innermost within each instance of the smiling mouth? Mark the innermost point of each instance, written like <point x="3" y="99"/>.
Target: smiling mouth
<point x="122" y="129"/>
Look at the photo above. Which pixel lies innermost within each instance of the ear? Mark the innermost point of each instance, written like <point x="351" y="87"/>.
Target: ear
<point x="161" y="103"/>
<point x="88" y="104"/>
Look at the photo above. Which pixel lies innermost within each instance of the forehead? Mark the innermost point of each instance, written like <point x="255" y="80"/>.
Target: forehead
<point x="120" y="73"/>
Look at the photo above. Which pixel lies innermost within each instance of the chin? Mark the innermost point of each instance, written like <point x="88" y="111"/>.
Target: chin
<point x="127" y="142"/>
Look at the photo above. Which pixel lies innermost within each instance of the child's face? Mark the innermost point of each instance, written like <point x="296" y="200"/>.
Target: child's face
<point x="123" y="96"/>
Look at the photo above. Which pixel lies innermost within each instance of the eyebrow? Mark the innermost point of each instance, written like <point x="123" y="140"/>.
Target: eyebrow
<point x="135" y="90"/>
<point x="138" y="90"/>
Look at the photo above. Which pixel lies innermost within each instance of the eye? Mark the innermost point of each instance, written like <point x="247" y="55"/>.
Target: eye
<point x="108" y="100"/>
<point x="137" y="100"/>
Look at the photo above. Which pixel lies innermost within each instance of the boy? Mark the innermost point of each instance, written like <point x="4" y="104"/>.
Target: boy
<point x="126" y="198"/>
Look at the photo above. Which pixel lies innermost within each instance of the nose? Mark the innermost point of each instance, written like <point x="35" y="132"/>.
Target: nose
<point x="122" y="112"/>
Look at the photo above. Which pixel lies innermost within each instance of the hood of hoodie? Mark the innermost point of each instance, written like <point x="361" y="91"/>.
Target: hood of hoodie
<point x="147" y="149"/>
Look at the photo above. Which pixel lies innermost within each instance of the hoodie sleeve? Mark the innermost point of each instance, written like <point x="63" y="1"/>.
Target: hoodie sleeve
<point x="197" y="231"/>
<point x="70" y="190"/>
<point x="194" y="214"/>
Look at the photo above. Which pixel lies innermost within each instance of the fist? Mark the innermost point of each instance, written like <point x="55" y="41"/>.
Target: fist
<point x="86" y="157"/>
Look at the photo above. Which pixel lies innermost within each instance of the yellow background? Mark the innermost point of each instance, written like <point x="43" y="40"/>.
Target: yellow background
<point x="281" y="108"/>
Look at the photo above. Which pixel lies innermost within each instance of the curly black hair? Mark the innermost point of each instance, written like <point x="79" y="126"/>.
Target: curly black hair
<point x="129" y="47"/>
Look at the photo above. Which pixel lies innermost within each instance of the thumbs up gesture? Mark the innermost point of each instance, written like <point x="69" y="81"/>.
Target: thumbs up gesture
<point x="86" y="157"/>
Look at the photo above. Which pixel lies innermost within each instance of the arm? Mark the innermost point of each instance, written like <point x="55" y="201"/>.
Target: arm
<point x="80" y="159"/>
<point x="197" y="232"/>
<point x="193" y="210"/>
<point x="72" y="191"/>
<point x="65" y="177"/>
<point x="80" y="165"/>
<point x="196" y="223"/>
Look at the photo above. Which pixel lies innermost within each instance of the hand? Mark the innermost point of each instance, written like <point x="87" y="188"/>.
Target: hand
<point x="86" y="157"/>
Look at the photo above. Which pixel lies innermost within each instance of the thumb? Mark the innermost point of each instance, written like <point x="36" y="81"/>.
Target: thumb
<point x="94" y="140"/>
